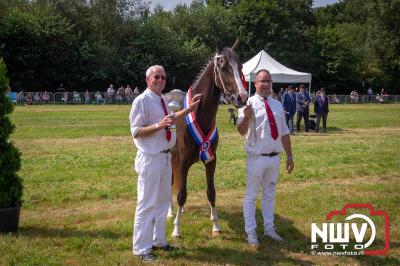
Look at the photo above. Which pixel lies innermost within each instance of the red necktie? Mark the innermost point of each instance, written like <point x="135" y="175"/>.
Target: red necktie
<point x="271" y="120"/>
<point x="243" y="80"/>
<point x="167" y="130"/>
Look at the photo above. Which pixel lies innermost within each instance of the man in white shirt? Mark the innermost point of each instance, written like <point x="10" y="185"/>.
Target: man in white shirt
<point x="264" y="124"/>
<point x="150" y="119"/>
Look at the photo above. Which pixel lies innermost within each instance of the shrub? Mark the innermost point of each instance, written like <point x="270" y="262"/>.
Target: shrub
<point x="10" y="159"/>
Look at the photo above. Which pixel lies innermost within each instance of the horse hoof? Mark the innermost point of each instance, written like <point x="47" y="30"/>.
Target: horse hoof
<point x="170" y="215"/>
<point x="175" y="235"/>
<point x="216" y="233"/>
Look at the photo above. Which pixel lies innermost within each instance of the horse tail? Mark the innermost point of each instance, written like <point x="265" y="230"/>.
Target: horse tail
<point x="176" y="177"/>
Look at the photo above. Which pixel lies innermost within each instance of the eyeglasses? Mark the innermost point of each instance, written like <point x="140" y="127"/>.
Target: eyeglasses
<point x="157" y="77"/>
<point x="264" y="81"/>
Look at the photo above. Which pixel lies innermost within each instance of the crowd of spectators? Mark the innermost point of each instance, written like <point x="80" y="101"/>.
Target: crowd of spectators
<point x="126" y="95"/>
<point x="110" y="96"/>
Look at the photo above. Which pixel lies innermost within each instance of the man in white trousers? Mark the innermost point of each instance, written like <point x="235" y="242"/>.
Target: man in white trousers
<point x="263" y="123"/>
<point x="150" y="119"/>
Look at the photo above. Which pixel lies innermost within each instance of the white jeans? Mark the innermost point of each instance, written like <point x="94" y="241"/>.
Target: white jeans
<point x="265" y="171"/>
<point x="153" y="198"/>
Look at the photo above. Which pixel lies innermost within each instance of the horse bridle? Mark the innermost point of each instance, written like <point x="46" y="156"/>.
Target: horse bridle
<point x="217" y="70"/>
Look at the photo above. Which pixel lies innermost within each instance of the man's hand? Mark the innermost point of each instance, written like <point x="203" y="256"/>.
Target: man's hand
<point x="167" y="121"/>
<point x="247" y="111"/>
<point x="289" y="165"/>
<point x="195" y="102"/>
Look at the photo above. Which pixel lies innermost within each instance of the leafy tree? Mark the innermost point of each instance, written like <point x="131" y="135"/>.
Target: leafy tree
<point x="279" y="27"/>
<point x="40" y="49"/>
<point x="336" y="63"/>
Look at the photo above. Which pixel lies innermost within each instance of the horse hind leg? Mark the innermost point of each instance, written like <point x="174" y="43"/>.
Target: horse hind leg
<point x="210" y="170"/>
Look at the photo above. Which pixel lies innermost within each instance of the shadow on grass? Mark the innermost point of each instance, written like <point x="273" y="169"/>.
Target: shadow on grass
<point x="380" y="260"/>
<point x="33" y="231"/>
<point x="269" y="252"/>
<point x="295" y="250"/>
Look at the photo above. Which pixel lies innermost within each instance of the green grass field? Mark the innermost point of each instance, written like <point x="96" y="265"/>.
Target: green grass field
<point x="80" y="189"/>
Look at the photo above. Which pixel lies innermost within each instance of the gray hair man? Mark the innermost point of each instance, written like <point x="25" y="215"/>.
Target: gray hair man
<point x="150" y="121"/>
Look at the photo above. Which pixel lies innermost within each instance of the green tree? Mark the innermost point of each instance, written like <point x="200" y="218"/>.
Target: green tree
<point x="40" y="49"/>
<point x="279" y="27"/>
<point x="337" y="66"/>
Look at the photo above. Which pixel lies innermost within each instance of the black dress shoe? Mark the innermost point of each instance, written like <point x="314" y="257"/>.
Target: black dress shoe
<point x="147" y="257"/>
<point x="167" y="247"/>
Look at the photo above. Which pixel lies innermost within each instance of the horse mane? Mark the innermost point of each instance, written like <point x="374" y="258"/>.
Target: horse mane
<point x="202" y="71"/>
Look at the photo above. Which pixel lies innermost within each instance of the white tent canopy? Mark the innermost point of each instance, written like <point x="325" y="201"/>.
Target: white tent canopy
<point x="279" y="73"/>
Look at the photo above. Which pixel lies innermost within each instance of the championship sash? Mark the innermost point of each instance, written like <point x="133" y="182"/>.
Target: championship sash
<point x="202" y="141"/>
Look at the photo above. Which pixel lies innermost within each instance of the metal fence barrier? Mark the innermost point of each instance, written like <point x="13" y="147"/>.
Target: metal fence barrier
<point x="106" y="98"/>
<point x="74" y="98"/>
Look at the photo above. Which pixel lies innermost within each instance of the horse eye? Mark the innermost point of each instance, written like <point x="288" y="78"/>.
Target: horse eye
<point x="222" y="61"/>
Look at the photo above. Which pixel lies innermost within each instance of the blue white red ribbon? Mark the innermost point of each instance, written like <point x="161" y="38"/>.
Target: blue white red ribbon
<point x="202" y="141"/>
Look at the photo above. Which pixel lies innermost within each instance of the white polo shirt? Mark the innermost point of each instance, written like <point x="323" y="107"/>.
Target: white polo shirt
<point x="258" y="137"/>
<point x="147" y="110"/>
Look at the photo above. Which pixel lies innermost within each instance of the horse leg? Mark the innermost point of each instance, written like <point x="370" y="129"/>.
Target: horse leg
<point x="181" y="197"/>
<point x="210" y="170"/>
<point x="171" y="208"/>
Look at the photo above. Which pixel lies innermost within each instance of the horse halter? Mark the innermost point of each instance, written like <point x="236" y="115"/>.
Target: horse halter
<point x="217" y="70"/>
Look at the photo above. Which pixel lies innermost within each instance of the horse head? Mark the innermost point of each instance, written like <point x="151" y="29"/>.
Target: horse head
<point x="228" y="73"/>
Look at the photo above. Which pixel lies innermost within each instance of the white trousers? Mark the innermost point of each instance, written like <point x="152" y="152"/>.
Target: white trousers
<point x="265" y="171"/>
<point x="153" y="199"/>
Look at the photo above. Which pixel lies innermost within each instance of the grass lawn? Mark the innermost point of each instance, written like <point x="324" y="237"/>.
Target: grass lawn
<point x="80" y="189"/>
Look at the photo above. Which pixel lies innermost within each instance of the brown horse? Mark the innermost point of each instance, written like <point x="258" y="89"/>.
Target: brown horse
<point x="222" y="73"/>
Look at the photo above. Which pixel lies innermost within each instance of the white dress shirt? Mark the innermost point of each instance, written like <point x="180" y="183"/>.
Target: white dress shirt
<point x="258" y="137"/>
<point x="147" y="110"/>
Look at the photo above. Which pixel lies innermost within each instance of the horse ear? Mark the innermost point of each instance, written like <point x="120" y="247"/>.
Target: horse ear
<point x="235" y="44"/>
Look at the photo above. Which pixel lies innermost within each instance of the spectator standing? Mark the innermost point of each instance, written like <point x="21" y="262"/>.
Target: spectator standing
<point x="129" y="94"/>
<point x="20" y="97"/>
<point x="120" y="94"/>
<point x="321" y="108"/>
<point x="281" y="93"/>
<point x="110" y="94"/>
<point x="289" y="106"/>
<point x="76" y="97"/>
<point x="302" y="107"/>
<point x="87" y="97"/>
<point x="370" y="93"/>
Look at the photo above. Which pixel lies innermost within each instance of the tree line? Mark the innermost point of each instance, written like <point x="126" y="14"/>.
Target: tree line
<point x="88" y="44"/>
